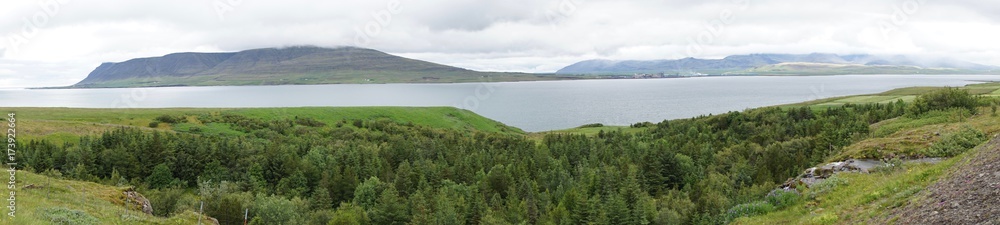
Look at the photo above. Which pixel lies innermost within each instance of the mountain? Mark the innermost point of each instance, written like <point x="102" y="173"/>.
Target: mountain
<point x="291" y="65"/>
<point x="778" y="64"/>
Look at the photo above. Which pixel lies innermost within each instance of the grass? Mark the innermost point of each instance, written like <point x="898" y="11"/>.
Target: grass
<point x="860" y="197"/>
<point x="906" y="94"/>
<point x="47" y="200"/>
<point x="589" y="131"/>
<point x="68" y="124"/>
<point x="911" y="137"/>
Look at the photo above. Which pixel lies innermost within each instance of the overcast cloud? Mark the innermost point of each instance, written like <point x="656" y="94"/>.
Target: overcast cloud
<point x="58" y="42"/>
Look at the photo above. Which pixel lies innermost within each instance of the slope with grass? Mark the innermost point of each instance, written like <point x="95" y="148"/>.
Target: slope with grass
<point x="959" y="190"/>
<point x="48" y="199"/>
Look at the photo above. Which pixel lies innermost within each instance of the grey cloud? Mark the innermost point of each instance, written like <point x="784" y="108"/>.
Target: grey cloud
<point x="517" y="35"/>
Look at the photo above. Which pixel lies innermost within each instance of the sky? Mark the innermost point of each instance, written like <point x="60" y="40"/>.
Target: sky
<point x="58" y="42"/>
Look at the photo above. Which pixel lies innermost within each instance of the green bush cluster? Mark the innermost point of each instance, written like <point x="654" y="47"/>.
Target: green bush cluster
<point x="944" y="99"/>
<point x="170" y="119"/>
<point x="64" y="216"/>
<point x="781" y="198"/>
<point x="956" y="143"/>
<point x="825" y="186"/>
<point x="749" y="209"/>
<point x="591" y="125"/>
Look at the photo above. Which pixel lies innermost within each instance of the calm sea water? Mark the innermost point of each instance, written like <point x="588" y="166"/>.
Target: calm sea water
<point x="532" y="106"/>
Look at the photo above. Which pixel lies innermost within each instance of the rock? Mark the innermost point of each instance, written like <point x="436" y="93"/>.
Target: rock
<point x="211" y="220"/>
<point x="133" y="197"/>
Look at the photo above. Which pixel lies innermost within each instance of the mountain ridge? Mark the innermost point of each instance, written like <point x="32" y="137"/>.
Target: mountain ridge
<point x="288" y="65"/>
<point x="735" y="64"/>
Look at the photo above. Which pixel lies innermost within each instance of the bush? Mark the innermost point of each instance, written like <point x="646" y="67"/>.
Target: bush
<point x="275" y="209"/>
<point x="642" y="124"/>
<point x="826" y="186"/>
<point x="165" y="201"/>
<point x="956" y="143"/>
<point x="781" y="199"/>
<point x="60" y="215"/>
<point x="748" y="209"/>
<point x="591" y="125"/>
<point x="154" y="124"/>
<point x="889" y="166"/>
<point x="309" y="122"/>
<point x="170" y="119"/>
<point x="943" y="99"/>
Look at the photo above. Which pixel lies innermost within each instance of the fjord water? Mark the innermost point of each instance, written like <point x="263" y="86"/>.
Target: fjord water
<point x="532" y="106"/>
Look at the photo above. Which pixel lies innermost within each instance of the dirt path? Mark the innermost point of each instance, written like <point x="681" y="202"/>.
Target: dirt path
<point x="970" y="194"/>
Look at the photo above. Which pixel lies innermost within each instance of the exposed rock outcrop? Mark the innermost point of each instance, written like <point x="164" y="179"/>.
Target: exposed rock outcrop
<point x="135" y="200"/>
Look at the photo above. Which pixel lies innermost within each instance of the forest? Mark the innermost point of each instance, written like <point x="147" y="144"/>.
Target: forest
<point x="302" y="171"/>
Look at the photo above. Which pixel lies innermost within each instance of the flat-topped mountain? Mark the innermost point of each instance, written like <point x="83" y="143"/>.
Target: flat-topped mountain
<point x="816" y="63"/>
<point x="291" y="65"/>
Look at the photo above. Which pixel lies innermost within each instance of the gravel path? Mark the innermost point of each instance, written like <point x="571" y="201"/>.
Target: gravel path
<point x="970" y="194"/>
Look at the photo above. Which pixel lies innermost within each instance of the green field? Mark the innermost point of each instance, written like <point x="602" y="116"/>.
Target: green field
<point x="905" y="94"/>
<point x="68" y="124"/>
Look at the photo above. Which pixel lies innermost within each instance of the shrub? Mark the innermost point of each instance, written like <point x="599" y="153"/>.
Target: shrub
<point x="825" y="186"/>
<point x="781" y="199"/>
<point x="164" y="201"/>
<point x="956" y="143"/>
<point x="309" y="122"/>
<point x="943" y="99"/>
<point x="591" y="125"/>
<point x="154" y="124"/>
<point x="169" y="119"/>
<point x="748" y="209"/>
<point x="889" y="166"/>
<point x="642" y="124"/>
<point x="60" y="215"/>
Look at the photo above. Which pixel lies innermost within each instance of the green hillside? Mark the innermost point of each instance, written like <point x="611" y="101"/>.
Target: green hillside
<point x="51" y="199"/>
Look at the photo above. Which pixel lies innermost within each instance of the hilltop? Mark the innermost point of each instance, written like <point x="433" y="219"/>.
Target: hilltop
<point x="276" y="66"/>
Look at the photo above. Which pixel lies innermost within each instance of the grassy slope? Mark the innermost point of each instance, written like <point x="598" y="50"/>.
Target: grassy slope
<point x="102" y="202"/>
<point x="864" y="196"/>
<point x="867" y="196"/>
